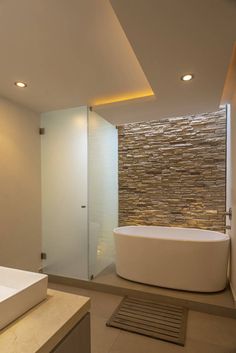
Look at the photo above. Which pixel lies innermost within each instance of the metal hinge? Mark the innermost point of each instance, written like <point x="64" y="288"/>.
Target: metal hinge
<point x="41" y="131"/>
<point x="43" y="256"/>
<point x="229" y="213"/>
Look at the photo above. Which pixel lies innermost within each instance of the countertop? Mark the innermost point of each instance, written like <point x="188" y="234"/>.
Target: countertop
<point x="44" y="326"/>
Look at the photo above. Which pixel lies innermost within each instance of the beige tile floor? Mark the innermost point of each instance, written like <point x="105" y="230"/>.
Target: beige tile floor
<point x="205" y="333"/>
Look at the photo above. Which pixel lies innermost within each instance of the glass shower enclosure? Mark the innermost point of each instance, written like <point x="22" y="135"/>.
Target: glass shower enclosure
<point x="79" y="192"/>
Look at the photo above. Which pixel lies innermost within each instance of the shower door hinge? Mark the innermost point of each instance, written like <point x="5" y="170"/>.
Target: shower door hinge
<point x="229" y="213"/>
<point x="43" y="256"/>
<point x="41" y="131"/>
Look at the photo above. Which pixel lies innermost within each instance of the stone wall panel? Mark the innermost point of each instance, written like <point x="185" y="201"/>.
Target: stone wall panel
<point x="172" y="172"/>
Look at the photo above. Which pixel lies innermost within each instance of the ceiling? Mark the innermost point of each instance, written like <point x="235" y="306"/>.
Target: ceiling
<point x="171" y="38"/>
<point x="70" y="52"/>
<point x="87" y="52"/>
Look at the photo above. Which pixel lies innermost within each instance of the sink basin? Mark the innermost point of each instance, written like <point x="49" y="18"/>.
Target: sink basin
<point x="19" y="292"/>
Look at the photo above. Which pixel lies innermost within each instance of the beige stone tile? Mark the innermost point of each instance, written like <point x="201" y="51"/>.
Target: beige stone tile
<point x="197" y="346"/>
<point x="45" y="325"/>
<point x="212" y="329"/>
<point x="102" y="304"/>
<point x="205" y="333"/>
<point x="132" y="343"/>
<point x="102" y="337"/>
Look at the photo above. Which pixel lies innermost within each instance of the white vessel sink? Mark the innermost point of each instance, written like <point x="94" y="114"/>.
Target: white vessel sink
<point x="19" y="292"/>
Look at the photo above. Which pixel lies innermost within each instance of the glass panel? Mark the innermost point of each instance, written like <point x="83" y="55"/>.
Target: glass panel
<point x="103" y="192"/>
<point x="64" y="192"/>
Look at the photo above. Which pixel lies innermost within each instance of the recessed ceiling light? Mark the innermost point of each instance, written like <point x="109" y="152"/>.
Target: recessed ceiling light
<point x="21" y="84"/>
<point x="187" y="77"/>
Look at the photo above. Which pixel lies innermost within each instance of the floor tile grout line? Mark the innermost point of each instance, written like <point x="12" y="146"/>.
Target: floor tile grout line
<point x="116" y="339"/>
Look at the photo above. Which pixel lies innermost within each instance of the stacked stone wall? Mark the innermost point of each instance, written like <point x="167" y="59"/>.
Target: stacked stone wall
<point x="172" y="172"/>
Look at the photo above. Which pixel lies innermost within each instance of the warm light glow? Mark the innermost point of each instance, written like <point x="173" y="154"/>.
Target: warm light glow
<point x="125" y="97"/>
<point x="21" y="84"/>
<point x="187" y="77"/>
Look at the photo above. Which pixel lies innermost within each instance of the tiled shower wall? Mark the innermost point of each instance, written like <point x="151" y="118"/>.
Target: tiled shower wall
<point x="172" y="172"/>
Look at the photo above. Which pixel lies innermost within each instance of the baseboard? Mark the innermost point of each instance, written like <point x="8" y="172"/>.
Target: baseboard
<point x="233" y="292"/>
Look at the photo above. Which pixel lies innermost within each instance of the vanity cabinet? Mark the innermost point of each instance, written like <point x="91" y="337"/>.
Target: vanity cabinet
<point x="77" y="340"/>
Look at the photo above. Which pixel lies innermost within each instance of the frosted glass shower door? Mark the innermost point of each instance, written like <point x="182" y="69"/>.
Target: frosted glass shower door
<point x="103" y="191"/>
<point x="64" y="192"/>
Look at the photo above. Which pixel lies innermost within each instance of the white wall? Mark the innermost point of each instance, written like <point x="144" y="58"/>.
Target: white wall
<point x="233" y="229"/>
<point x="20" y="194"/>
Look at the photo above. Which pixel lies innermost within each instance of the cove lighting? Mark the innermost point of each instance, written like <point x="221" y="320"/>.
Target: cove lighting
<point x="125" y="97"/>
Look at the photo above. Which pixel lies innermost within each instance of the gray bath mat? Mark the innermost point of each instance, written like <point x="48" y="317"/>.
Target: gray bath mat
<point x="158" y="320"/>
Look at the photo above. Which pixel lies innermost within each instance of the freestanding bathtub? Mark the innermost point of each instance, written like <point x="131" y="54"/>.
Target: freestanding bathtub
<point x="178" y="258"/>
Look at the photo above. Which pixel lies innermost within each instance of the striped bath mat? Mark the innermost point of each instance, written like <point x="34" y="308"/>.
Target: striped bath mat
<point x="150" y="318"/>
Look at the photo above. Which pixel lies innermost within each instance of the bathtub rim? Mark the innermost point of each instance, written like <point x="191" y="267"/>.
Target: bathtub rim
<point x="222" y="237"/>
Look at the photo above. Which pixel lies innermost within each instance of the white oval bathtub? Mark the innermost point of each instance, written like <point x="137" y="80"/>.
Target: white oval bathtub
<point x="178" y="258"/>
